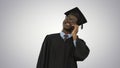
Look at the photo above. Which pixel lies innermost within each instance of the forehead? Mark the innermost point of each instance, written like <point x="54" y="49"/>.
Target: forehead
<point x="72" y="16"/>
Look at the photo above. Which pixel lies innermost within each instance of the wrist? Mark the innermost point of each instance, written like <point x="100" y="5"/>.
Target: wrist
<point x="74" y="37"/>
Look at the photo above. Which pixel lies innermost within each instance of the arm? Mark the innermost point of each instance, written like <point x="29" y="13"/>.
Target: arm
<point x="81" y="49"/>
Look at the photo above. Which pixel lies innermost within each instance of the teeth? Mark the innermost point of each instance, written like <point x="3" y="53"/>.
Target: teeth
<point x="67" y="24"/>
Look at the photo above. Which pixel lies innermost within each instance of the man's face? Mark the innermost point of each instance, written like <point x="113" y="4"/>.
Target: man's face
<point x="69" y="21"/>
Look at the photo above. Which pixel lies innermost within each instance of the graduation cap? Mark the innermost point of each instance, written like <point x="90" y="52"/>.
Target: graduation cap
<point x="76" y="12"/>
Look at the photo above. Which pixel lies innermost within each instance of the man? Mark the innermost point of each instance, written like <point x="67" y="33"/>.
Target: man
<point x="62" y="50"/>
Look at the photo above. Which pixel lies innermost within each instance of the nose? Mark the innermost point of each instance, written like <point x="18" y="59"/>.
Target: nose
<point x="70" y="22"/>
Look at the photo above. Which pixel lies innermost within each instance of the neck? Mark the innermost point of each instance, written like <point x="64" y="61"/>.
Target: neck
<point x="66" y="32"/>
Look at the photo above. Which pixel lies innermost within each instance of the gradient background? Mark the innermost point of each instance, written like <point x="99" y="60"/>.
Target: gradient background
<point x="25" y="23"/>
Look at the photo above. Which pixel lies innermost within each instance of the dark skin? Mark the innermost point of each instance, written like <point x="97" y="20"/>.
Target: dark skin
<point x="70" y="26"/>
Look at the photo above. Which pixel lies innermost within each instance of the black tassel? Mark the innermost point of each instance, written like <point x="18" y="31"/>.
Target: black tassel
<point x="82" y="26"/>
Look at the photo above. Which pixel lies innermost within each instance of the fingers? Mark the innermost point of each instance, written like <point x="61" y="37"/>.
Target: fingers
<point x="75" y="29"/>
<point x="75" y="25"/>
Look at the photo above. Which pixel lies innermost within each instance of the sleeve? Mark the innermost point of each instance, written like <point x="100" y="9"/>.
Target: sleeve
<point x="81" y="50"/>
<point x="43" y="56"/>
<point x="74" y="42"/>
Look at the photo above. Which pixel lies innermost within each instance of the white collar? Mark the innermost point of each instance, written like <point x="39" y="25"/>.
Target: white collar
<point x="62" y="35"/>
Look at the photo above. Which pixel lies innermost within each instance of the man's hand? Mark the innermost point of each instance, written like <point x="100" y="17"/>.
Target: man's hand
<point x="75" y="31"/>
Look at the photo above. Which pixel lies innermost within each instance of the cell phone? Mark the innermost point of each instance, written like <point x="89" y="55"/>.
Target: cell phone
<point x="72" y="27"/>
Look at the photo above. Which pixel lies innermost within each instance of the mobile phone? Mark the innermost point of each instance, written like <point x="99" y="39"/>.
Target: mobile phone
<point x="72" y="27"/>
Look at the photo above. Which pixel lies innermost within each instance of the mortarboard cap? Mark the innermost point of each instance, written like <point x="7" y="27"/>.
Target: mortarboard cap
<point x="76" y="12"/>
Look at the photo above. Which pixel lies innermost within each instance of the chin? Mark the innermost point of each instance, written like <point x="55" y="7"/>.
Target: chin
<point x="68" y="29"/>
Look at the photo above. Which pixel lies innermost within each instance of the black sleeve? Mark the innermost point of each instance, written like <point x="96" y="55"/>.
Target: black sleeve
<point x="81" y="50"/>
<point x="43" y="56"/>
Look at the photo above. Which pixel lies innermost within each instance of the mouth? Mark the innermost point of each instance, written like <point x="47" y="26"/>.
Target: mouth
<point x="68" y="24"/>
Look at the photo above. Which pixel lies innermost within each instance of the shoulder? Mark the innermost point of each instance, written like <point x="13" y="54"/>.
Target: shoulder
<point x="52" y="35"/>
<point x="80" y="39"/>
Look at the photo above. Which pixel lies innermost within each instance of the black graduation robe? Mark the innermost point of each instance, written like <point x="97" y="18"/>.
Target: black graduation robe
<point x="57" y="53"/>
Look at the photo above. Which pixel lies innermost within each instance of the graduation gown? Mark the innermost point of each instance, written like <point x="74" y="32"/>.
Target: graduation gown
<point x="57" y="53"/>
